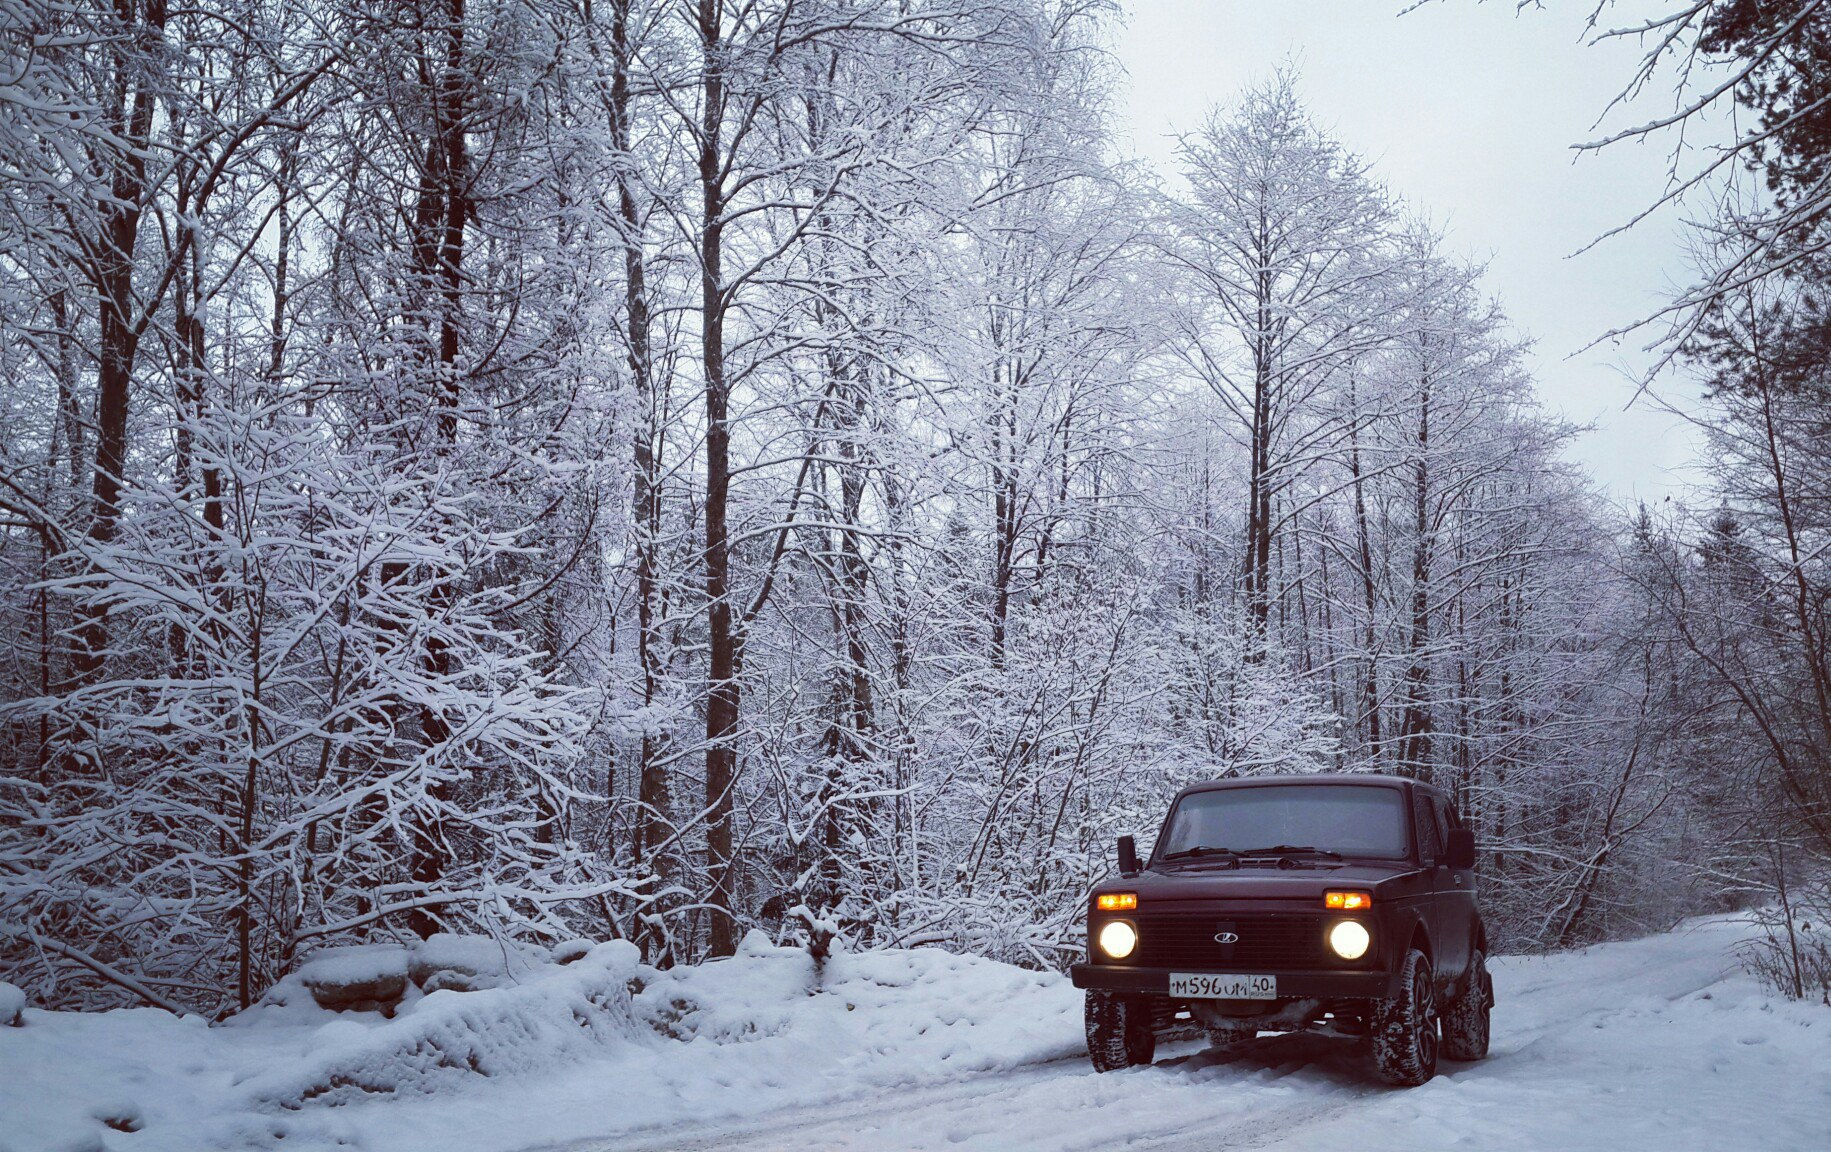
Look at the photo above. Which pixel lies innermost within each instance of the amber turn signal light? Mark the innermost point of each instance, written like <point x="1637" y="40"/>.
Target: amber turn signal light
<point x="1116" y="901"/>
<point x="1347" y="901"/>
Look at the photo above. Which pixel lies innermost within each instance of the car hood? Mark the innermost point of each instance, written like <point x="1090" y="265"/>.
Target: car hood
<point x="1255" y="883"/>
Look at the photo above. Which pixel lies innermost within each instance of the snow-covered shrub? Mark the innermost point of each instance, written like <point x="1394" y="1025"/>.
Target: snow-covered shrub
<point x="1792" y="953"/>
<point x="237" y="733"/>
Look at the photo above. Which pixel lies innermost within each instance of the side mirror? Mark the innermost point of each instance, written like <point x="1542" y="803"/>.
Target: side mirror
<point x="1460" y="852"/>
<point x="1128" y="857"/>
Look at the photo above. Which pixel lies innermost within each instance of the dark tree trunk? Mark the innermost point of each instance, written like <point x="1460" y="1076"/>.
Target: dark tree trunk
<point x="1415" y="724"/>
<point x="443" y="210"/>
<point x="119" y="332"/>
<point x="1258" y="559"/>
<point x="1363" y="541"/>
<point x="1004" y="504"/>
<point x="722" y="688"/>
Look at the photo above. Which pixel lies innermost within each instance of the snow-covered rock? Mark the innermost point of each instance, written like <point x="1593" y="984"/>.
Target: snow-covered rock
<point x="468" y="963"/>
<point x="360" y="977"/>
<point x="570" y="950"/>
<point x="12" y="1005"/>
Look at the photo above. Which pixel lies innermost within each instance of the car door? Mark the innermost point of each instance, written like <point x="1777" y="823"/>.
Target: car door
<point x="1455" y="900"/>
<point x="1425" y="823"/>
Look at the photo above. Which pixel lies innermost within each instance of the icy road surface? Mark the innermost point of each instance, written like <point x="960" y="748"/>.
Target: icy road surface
<point x="1656" y="1044"/>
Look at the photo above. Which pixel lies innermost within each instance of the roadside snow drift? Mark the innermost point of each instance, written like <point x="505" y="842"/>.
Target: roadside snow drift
<point x="550" y="1051"/>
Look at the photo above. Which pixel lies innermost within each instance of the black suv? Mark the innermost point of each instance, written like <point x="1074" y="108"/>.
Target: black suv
<point x="1343" y="904"/>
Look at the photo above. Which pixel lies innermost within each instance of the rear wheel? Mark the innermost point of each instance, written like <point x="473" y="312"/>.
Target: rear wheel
<point x="1403" y="1029"/>
<point x="1119" y="1032"/>
<point x="1465" y="1021"/>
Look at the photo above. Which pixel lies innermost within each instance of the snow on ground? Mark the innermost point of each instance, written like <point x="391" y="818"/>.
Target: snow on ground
<point x="595" y="1046"/>
<point x="1652" y="1044"/>
<point x="288" y="1070"/>
<point x="12" y="1003"/>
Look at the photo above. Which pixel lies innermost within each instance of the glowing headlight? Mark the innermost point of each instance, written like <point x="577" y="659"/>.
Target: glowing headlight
<point x="1349" y="939"/>
<point x="1118" y="939"/>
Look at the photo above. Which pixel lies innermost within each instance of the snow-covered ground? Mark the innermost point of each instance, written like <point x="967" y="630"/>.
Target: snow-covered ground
<point x="1653" y="1044"/>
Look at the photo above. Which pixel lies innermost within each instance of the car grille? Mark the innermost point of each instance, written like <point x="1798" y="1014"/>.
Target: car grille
<point x="1266" y="943"/>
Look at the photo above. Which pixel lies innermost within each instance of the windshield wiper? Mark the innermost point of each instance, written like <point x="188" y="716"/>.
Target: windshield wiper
<point x="1290" y="850"/>
<point x="1201" y="851"/>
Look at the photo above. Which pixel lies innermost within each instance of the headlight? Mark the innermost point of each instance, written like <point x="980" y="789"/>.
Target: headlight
<point x="1118" y="939"/>
<point x="1349" y="939"/>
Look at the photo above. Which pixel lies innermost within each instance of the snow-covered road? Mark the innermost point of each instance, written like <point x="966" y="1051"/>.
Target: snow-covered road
<point x="1651" y="1044"/>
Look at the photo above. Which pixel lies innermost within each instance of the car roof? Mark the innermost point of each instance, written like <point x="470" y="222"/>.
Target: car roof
<point x="1373" y="778"/>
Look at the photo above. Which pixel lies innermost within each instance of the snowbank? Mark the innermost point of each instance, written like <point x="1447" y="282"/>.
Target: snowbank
<point x="447" y="1037"/>
<point x="929" y="1008"/>
<point x="540" y="1050"/>
<point x="12" y="1004"/>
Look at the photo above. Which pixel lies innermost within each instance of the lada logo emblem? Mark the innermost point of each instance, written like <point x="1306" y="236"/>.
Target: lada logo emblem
<point x="1226" y="938"/>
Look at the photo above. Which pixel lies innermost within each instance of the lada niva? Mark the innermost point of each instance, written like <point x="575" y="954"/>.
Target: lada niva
<point x="1337" y="903"/>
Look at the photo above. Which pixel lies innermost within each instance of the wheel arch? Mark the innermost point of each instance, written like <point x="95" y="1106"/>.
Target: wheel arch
<point x="1420" y="939"/>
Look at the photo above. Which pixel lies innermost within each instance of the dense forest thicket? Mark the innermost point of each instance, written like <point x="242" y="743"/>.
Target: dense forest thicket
<point x="657" y="470"/>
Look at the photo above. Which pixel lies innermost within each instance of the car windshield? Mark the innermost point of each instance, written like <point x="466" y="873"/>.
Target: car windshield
<point x="1352" y="819"/>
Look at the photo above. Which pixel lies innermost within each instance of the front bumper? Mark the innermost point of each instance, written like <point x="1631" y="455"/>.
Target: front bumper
<point x="1291" y="985"/>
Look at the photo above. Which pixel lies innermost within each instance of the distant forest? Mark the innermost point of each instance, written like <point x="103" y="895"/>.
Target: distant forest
<point x="657" y="470"/>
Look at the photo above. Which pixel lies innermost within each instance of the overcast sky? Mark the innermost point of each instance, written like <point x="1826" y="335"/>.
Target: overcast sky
<point x="1468" y="111"/>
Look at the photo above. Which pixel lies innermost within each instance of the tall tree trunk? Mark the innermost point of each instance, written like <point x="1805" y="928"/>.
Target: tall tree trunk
<point x="191" y="371"/>
<point x="443" y="211"/>
<point x="1258" y="559"/>
<point x="1415" y="724"/>
<point x="1363" y="541"/>
<point x="115" y="250"/>
<point x="722" y="687"/>
<point x="1004" y="500"/>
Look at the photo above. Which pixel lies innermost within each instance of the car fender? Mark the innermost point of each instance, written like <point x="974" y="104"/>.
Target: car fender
<point x="1406" y="924"/>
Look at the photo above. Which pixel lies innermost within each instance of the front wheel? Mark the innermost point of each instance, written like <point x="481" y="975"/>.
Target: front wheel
<point x="1403" y="1029"/>
<point x="1465" y="1022"/>
<point x="1119" y="1033"/>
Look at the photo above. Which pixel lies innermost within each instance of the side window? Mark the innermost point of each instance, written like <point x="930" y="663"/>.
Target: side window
<point x="1446" y="818"/>
<point x="1430" y="836"/>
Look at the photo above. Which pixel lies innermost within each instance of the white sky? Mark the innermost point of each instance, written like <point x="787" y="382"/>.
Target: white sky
<point x="1468" y="111"/>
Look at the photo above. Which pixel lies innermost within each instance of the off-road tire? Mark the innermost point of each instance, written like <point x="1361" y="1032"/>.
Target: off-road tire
<point x="1403" y="1029"/>
<point x="1465" y="1021"/>
<point x="1119" y="1032"/>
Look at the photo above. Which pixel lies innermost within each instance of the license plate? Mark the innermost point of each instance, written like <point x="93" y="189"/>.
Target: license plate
<point x="1223" y="986"/>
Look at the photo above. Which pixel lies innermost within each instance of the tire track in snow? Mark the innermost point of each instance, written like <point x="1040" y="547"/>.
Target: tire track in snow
<point x="1262" y="1094"/>
<point x="1183" y="1091"/>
